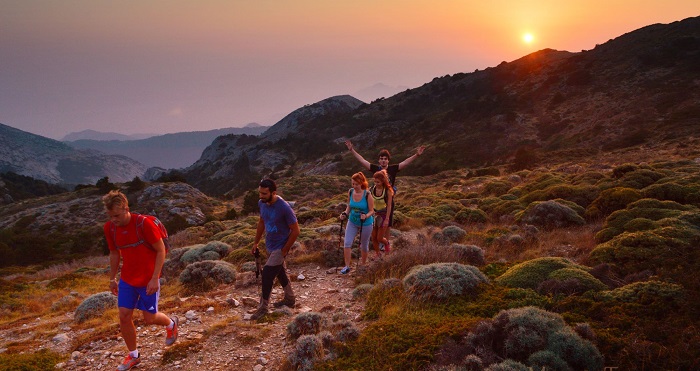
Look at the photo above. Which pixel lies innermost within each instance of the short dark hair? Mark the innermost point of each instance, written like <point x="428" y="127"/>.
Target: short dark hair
<point x="269" y="184"/>
<point x="385" y="153"/>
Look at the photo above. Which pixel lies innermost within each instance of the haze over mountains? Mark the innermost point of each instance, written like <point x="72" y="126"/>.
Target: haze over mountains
<point x="169" y="151"/>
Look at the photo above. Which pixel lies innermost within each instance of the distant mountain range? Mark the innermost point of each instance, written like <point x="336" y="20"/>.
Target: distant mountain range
<point x="169" y="151"/>
<point x="58" y="163"/>
<point x="636" y="93"/>
<point x="99" y="135"/>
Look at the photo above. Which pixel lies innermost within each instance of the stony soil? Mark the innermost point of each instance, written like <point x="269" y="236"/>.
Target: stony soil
<point x="220" y="333"/>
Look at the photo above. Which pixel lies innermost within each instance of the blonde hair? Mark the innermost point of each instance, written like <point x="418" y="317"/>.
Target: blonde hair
<point x="360" y="178"/>
<point x="115" y="199"/>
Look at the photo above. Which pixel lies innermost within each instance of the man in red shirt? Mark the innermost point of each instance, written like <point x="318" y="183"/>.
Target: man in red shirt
<point x="143" y="253"/>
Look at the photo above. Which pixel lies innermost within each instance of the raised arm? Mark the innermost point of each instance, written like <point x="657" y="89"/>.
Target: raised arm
<point x="359" y="157"/>
<point x="404" y="163"/>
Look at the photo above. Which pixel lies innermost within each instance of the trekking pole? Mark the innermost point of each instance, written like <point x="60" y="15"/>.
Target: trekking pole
<point x="340" y="242"/>
<point x="359" y="246"/>
<point x="258" y="263"/>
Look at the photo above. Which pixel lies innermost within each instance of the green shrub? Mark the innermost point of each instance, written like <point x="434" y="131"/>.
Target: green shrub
<point x="580" y="195"/>
<point x="550" y="214"/>
<point x="521" y="335"/>
<point x="623" y="169"/>
<point x="647" y="292"/>
<point x="496" y="188"/>
<point x="684" y="194"/>
<point x="307" y="351"/>
<point x="42" y="360"/>
<point x="207" y="274"/>
<point x="611" y="200"/>
<point x="308" y="323"/>
<point x="361" y="291"/>
<point x="450" y="234"/>
<point x="239" y="239"/>
<point x="640" y="178"/>
<point x="668" y="248"/>
<point x="507" y="365"/>
<point x="584" y="281"/>
<point x="467" y="215"/>
<point x="387" y="291"/>
<point x="94" y="306"/>
<point x="530" y="274"/>
<point x="471" y="254"/>
<point x="440" y="281"/>
<point x="213" y="250"/>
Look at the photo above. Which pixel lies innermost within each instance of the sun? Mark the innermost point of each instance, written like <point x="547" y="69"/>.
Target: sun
<point x="528" y="38"/>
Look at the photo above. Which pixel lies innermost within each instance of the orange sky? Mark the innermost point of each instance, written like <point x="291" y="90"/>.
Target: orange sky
<point x="174" y="65"/>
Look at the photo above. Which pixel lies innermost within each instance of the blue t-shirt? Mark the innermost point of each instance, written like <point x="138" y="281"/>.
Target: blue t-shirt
<point x="361" y="207"/>
<point x="277" y="217"/>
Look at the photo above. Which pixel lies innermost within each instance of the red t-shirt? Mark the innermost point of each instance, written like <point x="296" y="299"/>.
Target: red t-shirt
<point x="138" y="261"/>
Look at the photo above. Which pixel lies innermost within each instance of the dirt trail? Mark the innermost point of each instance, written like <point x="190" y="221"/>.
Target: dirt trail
<point x="220" y="336"/>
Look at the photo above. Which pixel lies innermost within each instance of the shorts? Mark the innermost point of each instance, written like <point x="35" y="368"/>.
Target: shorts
<point x="131" y="297"/>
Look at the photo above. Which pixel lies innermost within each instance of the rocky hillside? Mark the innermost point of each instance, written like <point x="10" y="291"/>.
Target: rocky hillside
<point x="57" y="163"/>
<point x="233" y="162"/>
<point x="41" y="229"/>
<point x="636" y="93"/>
<point x="169" y="151"/>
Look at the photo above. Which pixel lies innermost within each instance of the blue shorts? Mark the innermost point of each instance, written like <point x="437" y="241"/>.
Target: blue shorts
<point x="135" y="298"/>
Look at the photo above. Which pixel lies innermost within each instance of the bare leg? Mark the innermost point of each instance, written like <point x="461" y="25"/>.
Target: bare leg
<point x="128" y="330"/>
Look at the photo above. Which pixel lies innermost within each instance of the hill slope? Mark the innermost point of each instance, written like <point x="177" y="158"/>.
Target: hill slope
<point x="55" y="162"/>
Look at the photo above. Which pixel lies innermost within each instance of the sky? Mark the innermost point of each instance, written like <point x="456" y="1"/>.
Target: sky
<point x="165" y="66"/>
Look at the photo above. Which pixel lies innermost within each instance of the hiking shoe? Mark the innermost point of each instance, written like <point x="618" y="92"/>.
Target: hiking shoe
<point x="345" y="270"/>
<point x="171" y="334"/>
<point x="387" y="248"/>
<point x="289" y="302"/>
<point x="129" y="362"/>
<point x="381" y="247"/>
<point x="258" y="313"/>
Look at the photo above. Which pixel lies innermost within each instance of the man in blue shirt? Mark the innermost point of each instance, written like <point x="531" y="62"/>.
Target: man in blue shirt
<point x="278" y="222"/>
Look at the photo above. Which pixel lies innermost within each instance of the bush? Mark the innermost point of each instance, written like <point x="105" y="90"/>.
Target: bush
<point x="467" y="215"/>
<point x="440" y="281"/>
<point x="645" y="293"/>
<point x="307" y="351"/>
<point x="308" y="323"/>
<point x="530" y="274"/>
<point x="507" y="365"/>
<point x="94" y="306"/>
<point x="361" y="291"/>
<point x="522" y="334"/>
<point x="43" y="360"/>
<point x="471" y="254"/>
<point x="550" y="214"/>
<point x="213" y="250"/>
<point x="611" y="200"/>
<point x="205" y="275"/>
<point x="684" y="194"/>
<point x="450" y="234"/>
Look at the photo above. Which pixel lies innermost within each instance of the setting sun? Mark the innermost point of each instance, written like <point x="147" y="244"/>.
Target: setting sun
<point x="528" y="38"/>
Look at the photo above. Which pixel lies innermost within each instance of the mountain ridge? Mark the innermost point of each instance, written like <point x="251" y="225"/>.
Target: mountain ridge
<point x="632" y="93"/>
<point x="58" y="163"/>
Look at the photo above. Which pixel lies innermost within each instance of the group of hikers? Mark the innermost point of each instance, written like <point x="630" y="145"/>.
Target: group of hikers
<point x="138" y="242"/>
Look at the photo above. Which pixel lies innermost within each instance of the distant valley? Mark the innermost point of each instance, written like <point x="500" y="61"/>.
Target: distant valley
<point x="168" y="151"/>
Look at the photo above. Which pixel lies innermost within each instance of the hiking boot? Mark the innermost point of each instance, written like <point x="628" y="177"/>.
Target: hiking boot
<point x="387" y="248"/>
<point x="289" y="299"/>
<point x="285" y="302"/>
<point x="171" y="334"/>
<point x="259" y="313"/>
<point x="345" y="270"/>
<point x="129" y="362"/>
<point x="381" y="247"/>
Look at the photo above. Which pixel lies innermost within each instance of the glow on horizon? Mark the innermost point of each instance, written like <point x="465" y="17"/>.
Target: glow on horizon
<point x="178" y="65"/>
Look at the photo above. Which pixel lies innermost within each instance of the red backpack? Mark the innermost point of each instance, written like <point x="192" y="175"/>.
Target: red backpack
<point x="140" y="219"/>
